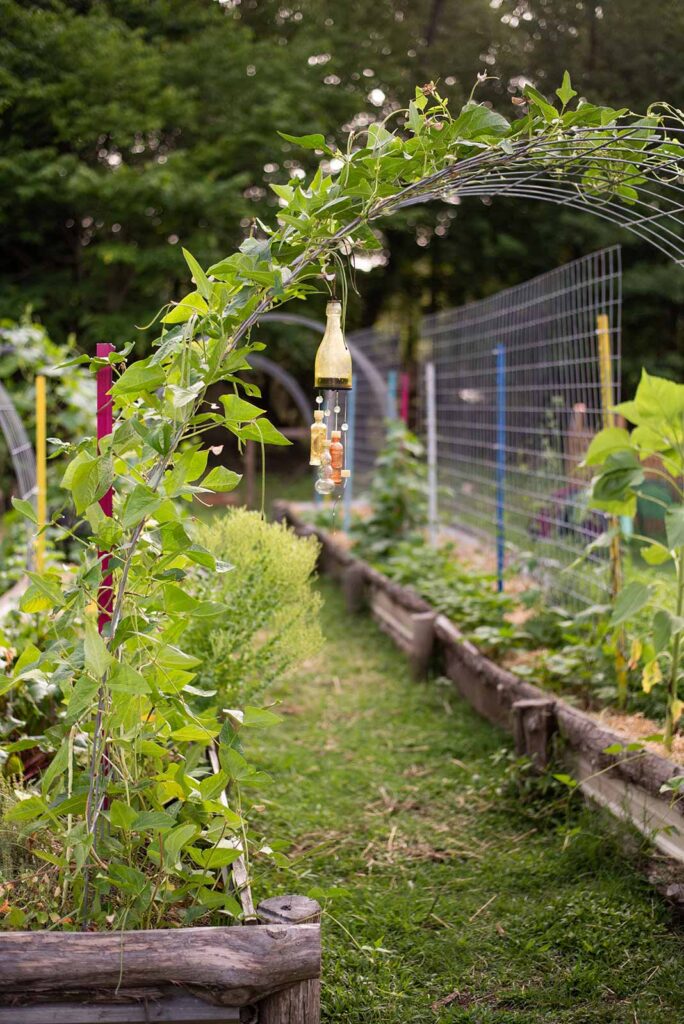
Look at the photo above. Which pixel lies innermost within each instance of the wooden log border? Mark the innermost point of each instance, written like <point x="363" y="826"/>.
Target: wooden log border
<point x="270" y="973"/>
<point x="628" y="783"/>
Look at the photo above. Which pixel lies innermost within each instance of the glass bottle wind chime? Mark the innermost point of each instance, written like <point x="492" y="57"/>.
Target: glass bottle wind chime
<point x="332" y="380"/>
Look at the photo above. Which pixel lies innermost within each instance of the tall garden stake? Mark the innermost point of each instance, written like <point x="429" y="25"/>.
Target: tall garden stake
<point x="41" y="472"/>
<point x="500" y="353"/>
<point x="351" y="442"/>
<point x="609" y="420"/>
<point x="105" y="599"/>
<point x="431" y="408"/>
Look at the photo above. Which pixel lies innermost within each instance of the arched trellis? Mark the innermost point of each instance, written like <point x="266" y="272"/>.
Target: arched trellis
<point x="21" y="452"/>
<point x="631" y="175"/>
<point x="286" y="379"/>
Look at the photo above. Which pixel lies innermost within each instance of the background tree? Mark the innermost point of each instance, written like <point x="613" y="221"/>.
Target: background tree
<point x="127" y="126"/>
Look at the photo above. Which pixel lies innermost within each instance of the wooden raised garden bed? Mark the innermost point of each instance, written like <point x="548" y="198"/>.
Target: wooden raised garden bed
<point x="268" y="973"/>
<point x="628" y="782"/>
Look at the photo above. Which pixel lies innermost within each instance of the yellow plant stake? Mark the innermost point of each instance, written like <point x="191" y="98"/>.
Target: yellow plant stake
<point x="41" y="471"/>
<point x="607" y="403"/>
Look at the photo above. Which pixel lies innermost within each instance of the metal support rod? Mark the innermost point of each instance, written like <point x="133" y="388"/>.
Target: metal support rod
<point x="349" y="461"/>
<point x="392" y="394"/>
<point x="609" y="420"/>
<point x="405" y="397"/>
<point x="500" y="353"/>
<point x="431" y="410"/>
<point x="41" y="471"/>
<point x="105" y="423"/>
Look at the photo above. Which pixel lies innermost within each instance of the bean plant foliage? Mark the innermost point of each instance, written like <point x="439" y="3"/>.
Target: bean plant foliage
<point x="624" y="459"/>
<point x="129" y="818"/>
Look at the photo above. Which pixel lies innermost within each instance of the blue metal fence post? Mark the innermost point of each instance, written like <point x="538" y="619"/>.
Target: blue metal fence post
<point x="500" y="353"/>
<point x="392" y="384"/>
<point x="349" y="460"/>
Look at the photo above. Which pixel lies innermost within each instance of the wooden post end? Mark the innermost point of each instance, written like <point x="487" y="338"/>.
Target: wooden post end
<point x="534" y="723"/>
<point x="299" y="1003"/>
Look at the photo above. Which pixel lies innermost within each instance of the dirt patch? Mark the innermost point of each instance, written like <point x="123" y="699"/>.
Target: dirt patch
<point x="637" y="728"/>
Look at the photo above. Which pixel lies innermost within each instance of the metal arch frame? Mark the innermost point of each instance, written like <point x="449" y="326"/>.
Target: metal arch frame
<point x="284" y="377"/>
<point x="19" y="446"/>
<point x="359" y="357"/>
<point x="581" y="168"/>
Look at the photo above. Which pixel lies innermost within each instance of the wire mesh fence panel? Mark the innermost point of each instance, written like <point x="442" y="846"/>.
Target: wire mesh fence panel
<point x="520" y="388"/>
<point x="376" y="376"/>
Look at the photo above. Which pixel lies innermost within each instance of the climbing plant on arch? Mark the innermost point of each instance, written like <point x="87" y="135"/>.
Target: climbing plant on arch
<point x="128" y="694"/>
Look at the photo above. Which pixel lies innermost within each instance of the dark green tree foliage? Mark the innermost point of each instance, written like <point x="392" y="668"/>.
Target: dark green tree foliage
<point x="126" y="125"/>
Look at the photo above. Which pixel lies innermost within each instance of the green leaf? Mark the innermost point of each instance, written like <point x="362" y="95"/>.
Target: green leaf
<point x="674" y="526"/>
<point x="655" y="554"/>
<point x="127" y="878"/>
<point x="221" y="479"/>
<point x="27" y="810"/>
<point x="606" y="442"/>
<point x="260" y="718"/>
<point x="191" y="304"/>
<point x="140" y="503"/>
<point x="217" y="857"/>
<point x="315" y="141"/>
<point x="97" y="657"/>
<point x="237" y="410"/>
<point x="536" y="99"/>
<point x="56" y="768"/>
<point x="662" y="630"/>
<point x="43" y="595"/>
<point x="88" y="478"/>
<point x="124" y="679"/>
<point x="566" y="92"/>
<point x="121" y="815"/>
<point x="152" y="821"/>
<point x="199" y="277"/>
<point x="140" y="377"/>
<point x="82" y="698"/>
<point x="177" y="838"/>
<point x="29" y="656"/>
<point x="25" y="508"/>
<point x="263" y="431"/>
<point x="630" y="601"/>
<point x="195" y="734"/>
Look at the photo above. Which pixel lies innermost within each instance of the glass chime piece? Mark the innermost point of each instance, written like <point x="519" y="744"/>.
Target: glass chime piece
<point x="333" y="367"/>
<point x="319" y="399"/>
<point x="318" y="434"/>
<point x="325" y="483"/>
<point x="337" y="456"/>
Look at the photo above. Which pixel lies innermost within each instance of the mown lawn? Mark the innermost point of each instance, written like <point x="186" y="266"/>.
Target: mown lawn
<point x="463" y="902"/>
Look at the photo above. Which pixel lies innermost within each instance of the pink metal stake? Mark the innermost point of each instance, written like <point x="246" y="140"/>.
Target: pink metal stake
<point x="105" y="597"/>
<point x="405" y="394"/>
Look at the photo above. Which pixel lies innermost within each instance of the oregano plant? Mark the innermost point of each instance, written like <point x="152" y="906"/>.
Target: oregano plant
<point x="140" y="809"/>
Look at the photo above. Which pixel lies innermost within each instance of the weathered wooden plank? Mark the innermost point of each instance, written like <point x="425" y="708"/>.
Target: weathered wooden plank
<point x="175" y="1009"/>
<point x="301" y="1003"/>
<point x="244" y="963"/>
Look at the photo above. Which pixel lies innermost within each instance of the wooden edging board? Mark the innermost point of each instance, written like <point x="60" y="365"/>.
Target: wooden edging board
<point x="175" y="974"/>
<point x="627" y="783"/>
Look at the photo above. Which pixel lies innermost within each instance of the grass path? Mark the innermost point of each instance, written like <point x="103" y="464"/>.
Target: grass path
<point x="463" y="903"/>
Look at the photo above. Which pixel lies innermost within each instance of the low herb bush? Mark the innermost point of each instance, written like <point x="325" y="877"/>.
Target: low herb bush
<point x="270" y="622"/>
